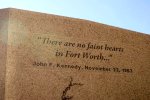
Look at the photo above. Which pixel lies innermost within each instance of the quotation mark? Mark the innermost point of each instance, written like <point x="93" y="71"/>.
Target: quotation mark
<point x="39" y="38"/>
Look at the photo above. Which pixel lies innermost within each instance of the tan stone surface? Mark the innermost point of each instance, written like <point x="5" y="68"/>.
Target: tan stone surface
<point x="3" y="49"/>
<point x="25" y="81"/>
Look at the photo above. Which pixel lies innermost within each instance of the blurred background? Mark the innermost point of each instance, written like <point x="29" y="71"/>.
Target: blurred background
<point x="127" y="14"/>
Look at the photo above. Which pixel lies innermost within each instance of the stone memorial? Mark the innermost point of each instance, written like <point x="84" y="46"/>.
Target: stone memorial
<point x="51" y="57"/>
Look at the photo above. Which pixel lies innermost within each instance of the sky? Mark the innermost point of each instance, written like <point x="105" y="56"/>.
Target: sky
<point x="128" y="14"/>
